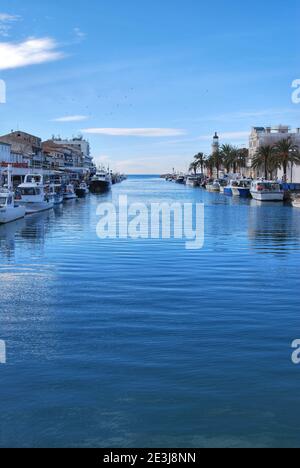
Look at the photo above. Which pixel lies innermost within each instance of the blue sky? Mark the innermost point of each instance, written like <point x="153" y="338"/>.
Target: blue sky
<point x="148" y="82"/>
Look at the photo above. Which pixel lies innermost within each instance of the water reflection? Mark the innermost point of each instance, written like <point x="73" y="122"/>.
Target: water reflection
<point x="33" y="229"/>
<point x="8" y="237"/>
<point x="273" y="228"/>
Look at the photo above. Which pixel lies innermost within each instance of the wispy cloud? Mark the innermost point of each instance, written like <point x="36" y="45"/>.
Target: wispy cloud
<point x="6" y="22"/>
<point x="30" y="52"/>
<point x="79" y="34"/>
<point x="71" y="118"/>
<point x="136" y="132"/>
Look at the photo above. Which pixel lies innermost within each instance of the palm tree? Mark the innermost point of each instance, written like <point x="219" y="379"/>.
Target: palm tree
<point x="227" y="152"/>
<point x="209" y="164"/>
<point x="200" y="159"/>
<point x="264" y="159"/>
<point x="241" y="158"/>
<point x="194" y="167"/>
<point x="285" y="153"/>
<point x="217" y="161"/>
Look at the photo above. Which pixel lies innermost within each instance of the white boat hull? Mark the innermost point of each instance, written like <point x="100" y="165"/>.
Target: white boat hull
<point x="8" y="215"/>
<point x="32" y="208"/>
<point x="267" y="196"/>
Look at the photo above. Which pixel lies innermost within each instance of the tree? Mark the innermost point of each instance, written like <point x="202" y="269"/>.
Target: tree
<point x="264" y="159"/>
<point x="200" y="160"/>
<point x="228" y="154"/>
<point x="209" y="164"/>
<point x="217" y="161"/>
<point x="194" y="167"/>
<point x="241" y="158"/>
<point x="285" y="153"/>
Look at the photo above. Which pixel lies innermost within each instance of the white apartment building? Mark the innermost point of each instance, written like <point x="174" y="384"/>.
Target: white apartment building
<point x="261" y="136"/>
<point x="79" y="144"/>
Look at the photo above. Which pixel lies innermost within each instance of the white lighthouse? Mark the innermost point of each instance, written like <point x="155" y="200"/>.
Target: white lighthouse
<point x="215" y="144"/>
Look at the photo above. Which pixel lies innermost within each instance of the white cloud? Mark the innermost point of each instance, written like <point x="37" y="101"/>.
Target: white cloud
<point x="79" y="34"/>
<point x="6" y="21"/>
<point x="137" y="132"/>
<point x="30" y="52"/>
<point x="71" y="118"/>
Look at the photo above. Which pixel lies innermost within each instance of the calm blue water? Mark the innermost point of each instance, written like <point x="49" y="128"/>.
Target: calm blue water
<point x="144" y="343"/>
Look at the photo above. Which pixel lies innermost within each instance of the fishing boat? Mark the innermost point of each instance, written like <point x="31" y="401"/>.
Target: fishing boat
<point x="69" y="192"/>
<point x="192" y="181"/>
<point x="101" y="182"/>
<point x="35" y="196"/>
<point x="9" y="209"/>
<point x="264" y="190"/>
<point x="82" y="190"/>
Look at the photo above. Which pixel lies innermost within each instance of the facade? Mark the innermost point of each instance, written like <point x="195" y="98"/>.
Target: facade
<point x="79" y="146"/>
<point x="28" y="152"/>
<point x="54" y="156"/>
<point x="26" y="148"/>
<point x="261" y="136"/>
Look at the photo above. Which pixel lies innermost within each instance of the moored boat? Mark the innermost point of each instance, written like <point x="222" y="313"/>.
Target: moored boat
<point x="232" y="188"/>
<point x="34" y="195"/>
<point x="192" y="181"/>
<point x="69" y="192"/>
<point x="58" y="194"/>
<point x="263" y="190"/>
<point x="244" y="188"/>
<point x="213" y="186"/>
<point x="101" y="182"/>
<point x="223" y="185"/>
<point x="180" y="179"/>
<point x="9" y="209"/>
<point x="82" y="190"/>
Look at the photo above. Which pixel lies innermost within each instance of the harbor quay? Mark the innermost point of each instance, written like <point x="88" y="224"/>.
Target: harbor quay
<point x="267" y="170"/>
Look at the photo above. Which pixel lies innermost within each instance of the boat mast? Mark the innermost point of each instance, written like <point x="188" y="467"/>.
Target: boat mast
<point x="9" y="177"/>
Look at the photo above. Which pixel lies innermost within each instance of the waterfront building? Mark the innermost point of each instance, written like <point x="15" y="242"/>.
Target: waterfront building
<point x="27" y="147"/>
<point x="80" y="145"/>
<point x="261" y="136"/>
